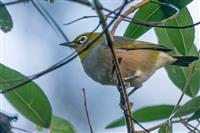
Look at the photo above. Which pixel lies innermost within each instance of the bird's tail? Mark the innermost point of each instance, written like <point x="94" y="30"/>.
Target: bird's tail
<point x="184" y="60"/>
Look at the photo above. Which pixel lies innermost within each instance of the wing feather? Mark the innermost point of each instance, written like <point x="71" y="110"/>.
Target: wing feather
<point x="124" y="43"/>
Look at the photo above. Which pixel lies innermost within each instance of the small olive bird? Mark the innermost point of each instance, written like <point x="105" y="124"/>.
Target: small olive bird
<point x="138" y="59"/>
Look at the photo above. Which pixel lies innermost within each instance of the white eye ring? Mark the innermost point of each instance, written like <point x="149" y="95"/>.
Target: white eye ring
<point x="82" y="39"/>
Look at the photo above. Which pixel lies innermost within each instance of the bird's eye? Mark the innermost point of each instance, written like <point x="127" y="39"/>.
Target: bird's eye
<point x="82" y="39"/>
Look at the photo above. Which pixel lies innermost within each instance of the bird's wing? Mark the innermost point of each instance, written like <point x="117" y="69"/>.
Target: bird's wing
<point x="123" y="43"/>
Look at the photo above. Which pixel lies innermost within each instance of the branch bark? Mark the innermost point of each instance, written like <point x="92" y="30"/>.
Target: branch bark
<point x="124" y="101"/>
<point x="129" y="11"/>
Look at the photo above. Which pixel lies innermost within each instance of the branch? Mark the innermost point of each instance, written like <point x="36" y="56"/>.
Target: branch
<point x="50" y="20"/>
<point x="186" y="125"/>
<point x="129" y="11"/>
<point x="122" y="89"/>
<point x="167" y="5"/>
<point x="13" y="2"/>
<point x="86" y="110"/>
<point x="187" y="82"/>
<point x="83" y="2"/>
<point x="140" y="125"/>
<point x="107" y="16"/>
<point x="189" y="126"/>
<point x="159" y="125"/>
<point x="23" y="130"/>
<point x="137" y="21"/>
<point x="57" y="65"/>
<point x="141" y="22"/>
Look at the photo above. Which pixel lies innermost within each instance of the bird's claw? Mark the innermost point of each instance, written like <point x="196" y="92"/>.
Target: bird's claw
<point x="123" y="107"/>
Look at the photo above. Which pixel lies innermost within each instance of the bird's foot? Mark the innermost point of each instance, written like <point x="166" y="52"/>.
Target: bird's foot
<point x="122" y="106"/>
<point x="134" y="89"/>
<point x="127" y="84"/>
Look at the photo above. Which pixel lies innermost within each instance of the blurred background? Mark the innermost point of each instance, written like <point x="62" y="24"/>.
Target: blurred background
<point x="32" y="46"/>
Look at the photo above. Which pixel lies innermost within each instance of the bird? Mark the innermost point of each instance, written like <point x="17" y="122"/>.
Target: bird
<point x="138" y="60"/>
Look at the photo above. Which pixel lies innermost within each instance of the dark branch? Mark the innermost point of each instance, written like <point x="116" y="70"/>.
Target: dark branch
<point x="23" y="130"/>
<point x="136" y="21"/>
<point x="14" y="2"/>
<point x="86" y="110"/>
<point x="121" y="87"/>
<point x="83" y="2"/>
<point x="59" y="64"/>
<point x="49" y="19"/>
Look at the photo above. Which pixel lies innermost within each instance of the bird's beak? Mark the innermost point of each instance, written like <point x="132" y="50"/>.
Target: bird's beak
<point x="68" y="44"/>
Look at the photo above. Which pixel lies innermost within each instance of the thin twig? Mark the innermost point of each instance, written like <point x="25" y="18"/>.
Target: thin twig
<point x="45" y="14"/>
<point x="127" y="19"/>
<point x="139" y="5"/>
<point x="137" y="21"/>
<point x="122" y="89"/>
<point x="140" y="125"/>
<point x="186" y="125"/>
<point x="86" y="110"/>
<point x="167" y="5"/>
<point x="190" y="125"/>
<point x="13" y="2"/>
<point x="57" y="65"/>
<point x="159" y="125"/>
<point x="129" y="11"/>
<point x="82" y="2"/>
<point x="198" y="124"/>
<point x="187" y="82"/>
<point x="20" y="129"/>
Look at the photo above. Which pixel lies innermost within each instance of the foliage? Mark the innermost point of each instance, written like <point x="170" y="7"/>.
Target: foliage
<point x="181" y="41"/>
<point x="60" y="125"/>
<point x="165" y="129"/>
<point x="190" y="107"/>
<point x="146" y="114"/>
<point x="152" y="12"/>
<point x="6" y="23"/>
<point x="29" y="99"/>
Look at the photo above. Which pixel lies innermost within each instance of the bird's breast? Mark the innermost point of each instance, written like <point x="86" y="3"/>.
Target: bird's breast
<point x="136" y="65"/>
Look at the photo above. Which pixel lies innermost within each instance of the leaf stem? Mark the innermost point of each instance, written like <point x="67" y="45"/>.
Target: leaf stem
<point x="161" y="124"/>
<point x="189" y="78"/>
<point x="129" y="11"/>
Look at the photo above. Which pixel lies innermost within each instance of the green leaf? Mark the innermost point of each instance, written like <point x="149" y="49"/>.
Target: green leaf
<point x="190" y="107"/>
<point x="29" y="99"/>
<point x="181" y="42"/>
<point x="181" y="39"/>
<point x="195" y="116"/>
<point x="6" y="23"/>
<point x="146" y="114"/>
<point x="165" y="129"/>
<point x="38" y="128"/>
<point x="59" y="125"/>
<point x="152" y="12"/>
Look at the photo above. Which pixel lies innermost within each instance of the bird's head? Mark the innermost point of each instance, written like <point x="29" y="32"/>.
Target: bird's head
<point x="82" y="41"/>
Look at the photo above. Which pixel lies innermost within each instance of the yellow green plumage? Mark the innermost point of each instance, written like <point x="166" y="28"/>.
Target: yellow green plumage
<point x="138" y="59"/>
